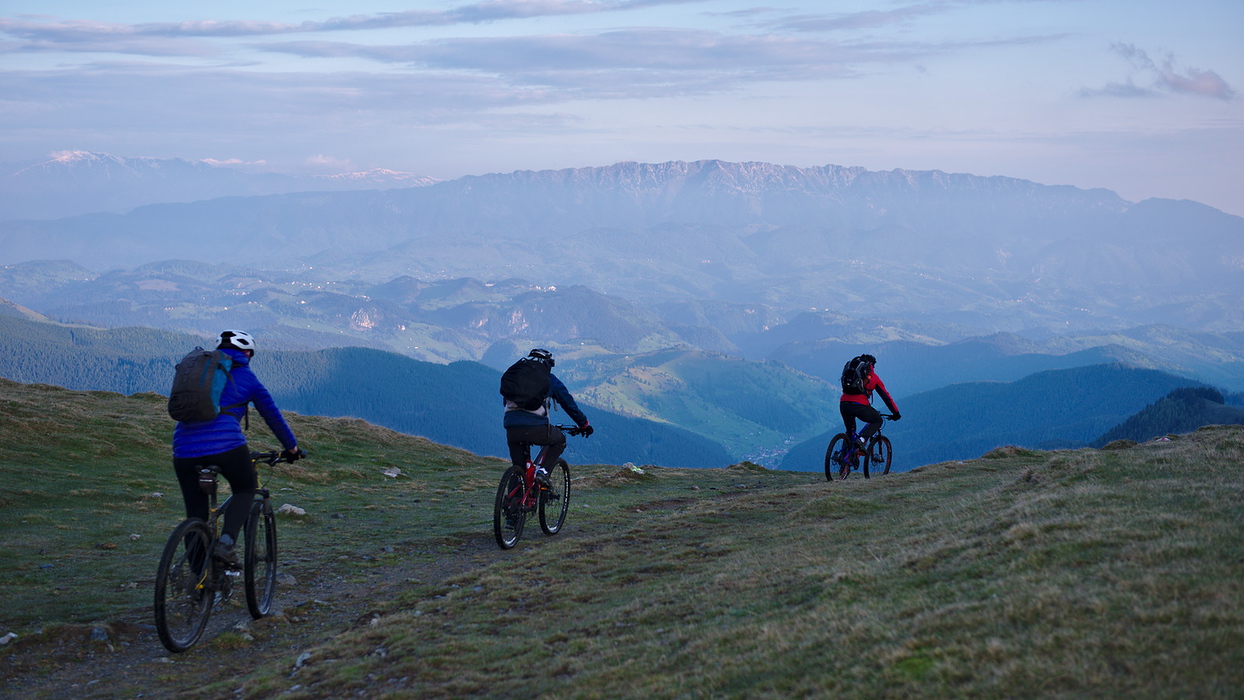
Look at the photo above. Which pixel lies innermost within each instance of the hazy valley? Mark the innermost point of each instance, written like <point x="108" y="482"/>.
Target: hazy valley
<point x="719" y="299"/>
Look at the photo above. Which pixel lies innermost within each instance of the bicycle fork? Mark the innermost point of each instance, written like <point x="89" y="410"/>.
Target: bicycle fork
<point x="849" y="450"/>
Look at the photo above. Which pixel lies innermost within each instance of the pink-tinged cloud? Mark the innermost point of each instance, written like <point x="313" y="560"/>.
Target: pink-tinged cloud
<point x="1197" y="82"/>
<point x="1166" y="77"/>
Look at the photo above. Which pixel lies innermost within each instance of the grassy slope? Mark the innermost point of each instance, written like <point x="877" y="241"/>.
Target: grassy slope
<point x="1112" y="572"/>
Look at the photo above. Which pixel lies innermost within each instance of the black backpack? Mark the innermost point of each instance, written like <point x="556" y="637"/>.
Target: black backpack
<point x="854" y="375"/>
<point x="197" y="384"/>
<point x="526" y="384"/>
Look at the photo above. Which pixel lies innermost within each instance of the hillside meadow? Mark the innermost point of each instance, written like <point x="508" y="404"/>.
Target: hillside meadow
<point x="1115" y="572"/>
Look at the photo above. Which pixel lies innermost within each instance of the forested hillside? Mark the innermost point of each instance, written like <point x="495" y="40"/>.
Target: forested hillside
<point x="1181" y="411"/>
<point x="456" y="404"/>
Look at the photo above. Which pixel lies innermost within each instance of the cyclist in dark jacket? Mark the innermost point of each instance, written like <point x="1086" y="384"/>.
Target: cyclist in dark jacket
<point x="860" y="406"/>
<point x="525" y="428"/>
<point x="220" y="442"/>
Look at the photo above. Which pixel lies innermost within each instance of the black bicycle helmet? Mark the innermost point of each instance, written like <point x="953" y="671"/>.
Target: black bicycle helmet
<point x="542" y="355"/>
<point x="869" y="359"/>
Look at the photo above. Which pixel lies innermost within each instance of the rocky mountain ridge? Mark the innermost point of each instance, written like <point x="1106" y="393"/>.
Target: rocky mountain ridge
<point x="994" y="253"/>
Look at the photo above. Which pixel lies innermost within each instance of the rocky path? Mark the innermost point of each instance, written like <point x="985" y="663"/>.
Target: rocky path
<point x="124" y="658"/>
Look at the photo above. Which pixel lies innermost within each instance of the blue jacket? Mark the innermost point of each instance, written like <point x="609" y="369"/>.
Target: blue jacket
<point x="224" y="433"/>
<point x="516" y="417"/>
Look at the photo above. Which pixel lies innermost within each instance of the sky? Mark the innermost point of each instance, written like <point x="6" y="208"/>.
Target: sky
<point x="1142" y="97"/>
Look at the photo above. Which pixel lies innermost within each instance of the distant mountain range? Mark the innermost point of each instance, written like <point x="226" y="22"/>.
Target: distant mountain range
<point x="719" y="297"/>
<point x="71" y="183"/>
<point x="985" y="254"/>
<point x="464" y="319"/>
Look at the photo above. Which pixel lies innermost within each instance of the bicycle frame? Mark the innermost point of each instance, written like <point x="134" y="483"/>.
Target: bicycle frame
<point x="519" y="494"/>
<point x="850" y="456"/>
<point x="529" y="478"/>
<point x="191" y="582"/>
<point x="208" y="484"/>
<point x="853" y="436"/>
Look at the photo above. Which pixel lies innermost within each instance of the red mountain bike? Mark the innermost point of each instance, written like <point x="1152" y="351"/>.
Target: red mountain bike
<point x="518" y="495"/>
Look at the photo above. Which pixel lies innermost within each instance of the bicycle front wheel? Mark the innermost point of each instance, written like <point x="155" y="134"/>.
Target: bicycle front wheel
<point x="834" y="467"/>
<point x="183" y="595"/>
<point x="508" y="514"/>
<point x="555" y="500"/>
<point x="881" y="452"/>
<point x="259" y="565"/>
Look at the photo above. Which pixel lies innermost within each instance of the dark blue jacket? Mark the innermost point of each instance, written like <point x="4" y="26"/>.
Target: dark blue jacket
<point x="224" y="433"/>
<point x="516" y="417"/>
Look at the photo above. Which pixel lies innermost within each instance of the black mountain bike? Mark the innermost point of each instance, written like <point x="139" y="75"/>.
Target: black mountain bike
<point x="191" y="583"/>
<point x="518" y="495"/>
<point x="843" y="456"/>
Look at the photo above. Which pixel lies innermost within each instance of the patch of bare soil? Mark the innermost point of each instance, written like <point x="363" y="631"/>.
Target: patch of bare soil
<point x="124" y="658"/>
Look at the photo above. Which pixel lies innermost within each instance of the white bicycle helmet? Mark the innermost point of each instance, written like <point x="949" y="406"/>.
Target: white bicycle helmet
<point x="240" y="340"/>
<point x="541" y="355"/>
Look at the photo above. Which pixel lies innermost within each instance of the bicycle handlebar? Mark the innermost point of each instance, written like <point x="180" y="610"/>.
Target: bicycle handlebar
<point x="570" y="429"/>
<point x="274" y="457"/>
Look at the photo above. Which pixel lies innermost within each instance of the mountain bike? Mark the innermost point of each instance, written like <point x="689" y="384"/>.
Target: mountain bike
<point x="843" y="456"/>
<point x="518" y="496"/>
<point x="191" y="583"/>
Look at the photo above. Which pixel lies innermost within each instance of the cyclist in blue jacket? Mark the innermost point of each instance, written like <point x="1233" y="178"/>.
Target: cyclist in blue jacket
<point x="525" y="428"/>
<point x="220" y="442"/>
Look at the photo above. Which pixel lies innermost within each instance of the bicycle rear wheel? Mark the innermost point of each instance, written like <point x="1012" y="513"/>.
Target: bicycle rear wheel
<point x="880" y="454"/>
<point x="259" y="565"/>
<point x="508" y="514"/>
<point x="555" y="500"/>
<point x="833" y="467"/>
<point x="183" y="594"/>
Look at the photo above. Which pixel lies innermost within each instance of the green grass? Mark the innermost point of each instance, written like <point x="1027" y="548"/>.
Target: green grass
<point x="1113" y="573"/>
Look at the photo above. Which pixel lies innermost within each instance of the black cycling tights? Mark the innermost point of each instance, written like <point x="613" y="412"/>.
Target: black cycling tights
<point x="851" y="410"/>
<point x="522" y="437"/>
<point x="237" y="468"/>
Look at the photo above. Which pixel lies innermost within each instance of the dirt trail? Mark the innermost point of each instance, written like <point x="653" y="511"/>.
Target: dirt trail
<point x="327" y="599"/>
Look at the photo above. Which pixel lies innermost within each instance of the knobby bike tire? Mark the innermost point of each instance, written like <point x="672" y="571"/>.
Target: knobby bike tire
<point x="259" y="565"/>
<point x="508" y="514"/>
<point x="184" y="595"/>
<point x="832" y="467"/>
<point x="882" y="453"/>
<point x="555" y="500"/>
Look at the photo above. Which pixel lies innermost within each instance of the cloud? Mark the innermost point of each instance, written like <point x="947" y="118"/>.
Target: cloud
<point x="1165" y="77"/>
<point x="73" y="35"/>
<point x="329" y="163"/>
<point x="184" y="103"/>
<point x="231" y="162"/>
<point x="681" y="59"/>
<point x="867" y="19"/>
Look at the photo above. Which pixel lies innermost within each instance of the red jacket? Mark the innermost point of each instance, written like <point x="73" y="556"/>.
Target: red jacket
<point x="873" y="383"/>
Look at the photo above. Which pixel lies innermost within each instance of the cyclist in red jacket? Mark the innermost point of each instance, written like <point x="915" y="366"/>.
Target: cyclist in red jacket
<point x="859" y="381"/>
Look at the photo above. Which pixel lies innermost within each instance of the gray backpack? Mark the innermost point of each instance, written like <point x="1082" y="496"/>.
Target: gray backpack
<point x="198" y="381"/>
